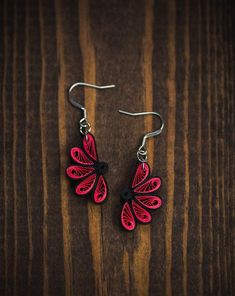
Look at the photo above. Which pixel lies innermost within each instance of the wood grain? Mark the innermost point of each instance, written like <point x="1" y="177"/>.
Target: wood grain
<point x="175" y="57"/>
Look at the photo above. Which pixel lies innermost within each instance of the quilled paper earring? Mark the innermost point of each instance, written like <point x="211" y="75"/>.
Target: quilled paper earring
<point x="87" y="171"/>
<point x="140" y="195"/>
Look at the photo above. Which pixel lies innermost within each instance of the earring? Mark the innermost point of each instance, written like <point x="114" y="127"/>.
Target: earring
<point x="87" y="170"/>
<point x="140" y="195"/>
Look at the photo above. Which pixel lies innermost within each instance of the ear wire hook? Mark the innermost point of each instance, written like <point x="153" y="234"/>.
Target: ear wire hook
<point x="84" y="125"/>
<point x="76" y="104"/>
<point x="142" y="151"/>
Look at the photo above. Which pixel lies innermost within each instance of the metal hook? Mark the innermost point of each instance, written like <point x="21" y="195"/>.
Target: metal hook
<point x="84" y="124"/>
<point x="142" y="152"/>
<point x="76" y="104"/>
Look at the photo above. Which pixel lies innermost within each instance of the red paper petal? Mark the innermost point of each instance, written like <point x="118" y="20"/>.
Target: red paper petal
<point x="78" y="172"/>
<point x="151" y="202"/>
<point x="141" y="214"/>
<point x="127" y="219"/>
<point x="149" y="186"/>
<point x="86" y="185"/>
<point x="89" y="146"/>
<point x="141" y="174"/>
<point x="101" y="190"/>
<point x="79" y="156"/>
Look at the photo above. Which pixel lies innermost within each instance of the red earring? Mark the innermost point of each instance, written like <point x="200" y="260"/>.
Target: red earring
<point x="87" y="171"/>
<point x="140" y="196"/>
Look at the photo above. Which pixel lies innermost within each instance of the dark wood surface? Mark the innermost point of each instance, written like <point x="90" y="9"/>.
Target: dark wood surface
<point x="174" y="57"/>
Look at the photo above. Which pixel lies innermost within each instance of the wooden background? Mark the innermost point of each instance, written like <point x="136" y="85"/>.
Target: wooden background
<point x="174" y="57"/>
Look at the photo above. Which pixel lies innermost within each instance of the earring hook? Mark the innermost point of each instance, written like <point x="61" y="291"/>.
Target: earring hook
<point x="142" y="151"/>
<point x="84" y="125"/>
<point x="76" y="104"/>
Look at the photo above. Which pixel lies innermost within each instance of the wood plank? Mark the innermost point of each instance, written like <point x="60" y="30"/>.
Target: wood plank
<point x="173" y="57"/>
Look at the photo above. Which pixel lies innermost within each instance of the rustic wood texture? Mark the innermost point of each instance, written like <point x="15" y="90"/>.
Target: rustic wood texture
<point x="172" y="56"/>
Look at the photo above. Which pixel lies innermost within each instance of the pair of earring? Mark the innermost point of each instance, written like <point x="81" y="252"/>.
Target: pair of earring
<point x="140" y="195"/>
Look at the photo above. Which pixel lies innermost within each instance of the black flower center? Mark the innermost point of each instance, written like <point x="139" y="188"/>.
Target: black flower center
<point x="126" y="194"/>
<point x="101" y="167"/>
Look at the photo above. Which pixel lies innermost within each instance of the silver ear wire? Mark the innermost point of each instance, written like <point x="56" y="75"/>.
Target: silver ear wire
<point x="142" y="151"/>
<point x="85" y="127"/>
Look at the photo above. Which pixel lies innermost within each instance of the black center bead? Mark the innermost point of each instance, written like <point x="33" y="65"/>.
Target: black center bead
<point x="101" y="167"/>
<point x="126" y="194"/>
